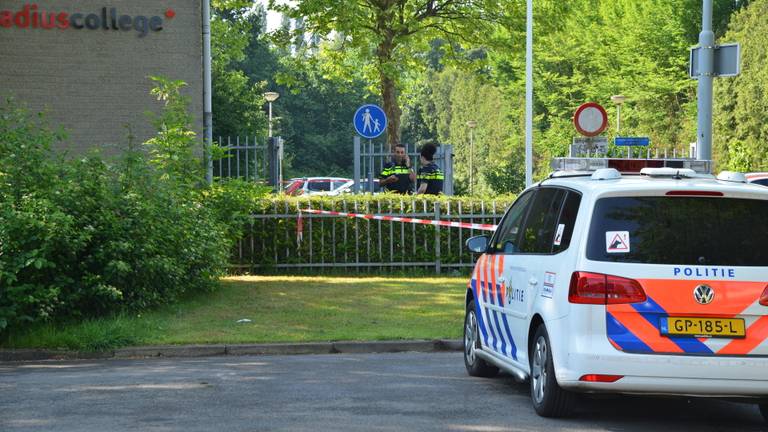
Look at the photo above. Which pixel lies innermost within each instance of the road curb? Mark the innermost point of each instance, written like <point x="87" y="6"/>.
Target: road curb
<point x="181" y="351"/>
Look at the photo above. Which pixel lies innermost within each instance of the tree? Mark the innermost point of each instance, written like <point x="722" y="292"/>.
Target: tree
<point x="741" y="103"/>
<point x="388" y="35"/>
<point x="237" y="101"/>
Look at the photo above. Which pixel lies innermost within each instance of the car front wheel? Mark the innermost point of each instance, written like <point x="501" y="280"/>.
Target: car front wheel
<point x="475" y="365"/>
<point x="549" y="400"/>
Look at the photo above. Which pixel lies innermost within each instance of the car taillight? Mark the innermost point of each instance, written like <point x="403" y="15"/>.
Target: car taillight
<point x="597" y="288"/>
<point x="587" y="288"/>
<point x="601" y="378"/>
<point x="764" y="297"/>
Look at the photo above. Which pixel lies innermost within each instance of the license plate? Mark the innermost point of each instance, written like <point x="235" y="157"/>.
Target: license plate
<point x="703" y="327"/>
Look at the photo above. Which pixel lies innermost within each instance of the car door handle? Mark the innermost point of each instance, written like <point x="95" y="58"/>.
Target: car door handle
<point x="533" y="281"/>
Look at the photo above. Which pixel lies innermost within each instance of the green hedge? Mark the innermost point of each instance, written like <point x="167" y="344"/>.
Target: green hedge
<point x="271" y="241"/>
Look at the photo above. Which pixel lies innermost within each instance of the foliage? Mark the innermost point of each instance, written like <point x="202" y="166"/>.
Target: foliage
<point x="584" y="50"/>
<point x="741" y="108"/>
<point x="237" y="100"/>
<point x="388" y="39"/>
<point x="453" y="98"/>
<point x="84" y="237"/>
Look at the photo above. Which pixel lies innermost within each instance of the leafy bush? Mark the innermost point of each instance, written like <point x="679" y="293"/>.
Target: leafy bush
<point x="83" y="238"/>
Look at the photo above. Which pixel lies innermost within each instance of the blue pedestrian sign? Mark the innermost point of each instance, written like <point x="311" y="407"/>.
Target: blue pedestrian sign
<point x="370" y="121"/>
<point x="631" y="141"/>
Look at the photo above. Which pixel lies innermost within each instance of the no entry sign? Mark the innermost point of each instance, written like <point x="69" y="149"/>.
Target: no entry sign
<point x="590" y="119"/>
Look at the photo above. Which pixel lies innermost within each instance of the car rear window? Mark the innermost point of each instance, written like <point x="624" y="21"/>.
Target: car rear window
<point x="679" y="230"/>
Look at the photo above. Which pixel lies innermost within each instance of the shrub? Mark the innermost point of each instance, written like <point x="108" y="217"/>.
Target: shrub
<point x="83" y="238"/>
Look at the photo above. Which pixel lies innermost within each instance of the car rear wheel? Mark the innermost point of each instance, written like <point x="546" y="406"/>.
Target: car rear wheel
<point x="475" y="365"/>
<point x="764" y="411"/>
<point x="549" y="400"/>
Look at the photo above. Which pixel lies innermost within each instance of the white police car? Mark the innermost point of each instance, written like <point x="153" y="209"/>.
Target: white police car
<point x="649" y="283"/>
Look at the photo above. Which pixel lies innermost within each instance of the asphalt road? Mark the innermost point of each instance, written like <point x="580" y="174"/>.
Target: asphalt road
<point x="381" y="392"/>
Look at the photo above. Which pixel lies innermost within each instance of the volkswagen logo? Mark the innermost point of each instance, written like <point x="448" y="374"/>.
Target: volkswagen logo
<point x="704" y="294"/>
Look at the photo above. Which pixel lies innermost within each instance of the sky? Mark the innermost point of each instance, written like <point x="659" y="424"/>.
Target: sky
<point x="273" y="18"/>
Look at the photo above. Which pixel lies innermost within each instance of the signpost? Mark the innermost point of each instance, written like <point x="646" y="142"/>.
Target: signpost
<point x="590" y="119"/>
<point x="370" y="122"/>
<point x="589" y="145"/>
<point x="726" y="63"/>
<point x="631" y="141"/>
<point x="708" y="61"/>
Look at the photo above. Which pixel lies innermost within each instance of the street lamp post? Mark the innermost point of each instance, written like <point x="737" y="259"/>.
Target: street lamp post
<point x="618" y="100"/>
<point x="471" y="125"/>
<point x="271" y="97"/>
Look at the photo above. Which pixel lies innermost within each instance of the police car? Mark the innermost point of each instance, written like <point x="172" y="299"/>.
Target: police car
<point x="625" y="276"/>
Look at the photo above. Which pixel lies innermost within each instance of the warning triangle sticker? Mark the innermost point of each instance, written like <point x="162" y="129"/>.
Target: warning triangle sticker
<point x="617" y="241"/>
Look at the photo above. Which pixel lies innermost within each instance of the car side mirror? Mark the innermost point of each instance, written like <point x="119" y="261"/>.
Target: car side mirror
<point x="478" y="244"/>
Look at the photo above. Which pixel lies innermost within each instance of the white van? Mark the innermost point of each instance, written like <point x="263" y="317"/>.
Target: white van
<point x="653" y="282"/>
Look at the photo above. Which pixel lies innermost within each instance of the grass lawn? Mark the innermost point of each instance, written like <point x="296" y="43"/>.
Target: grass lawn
<point x="281" y="309"/>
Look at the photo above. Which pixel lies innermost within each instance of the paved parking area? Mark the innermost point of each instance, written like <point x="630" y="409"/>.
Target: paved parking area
<point x="380" y="392"/>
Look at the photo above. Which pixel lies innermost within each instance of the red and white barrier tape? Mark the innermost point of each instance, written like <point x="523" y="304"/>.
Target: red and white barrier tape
<point x="484" y="227"/>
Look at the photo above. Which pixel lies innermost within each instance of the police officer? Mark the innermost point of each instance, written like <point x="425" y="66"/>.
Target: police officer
<point x="397" y="175"/>
<point x="430" y="177"/>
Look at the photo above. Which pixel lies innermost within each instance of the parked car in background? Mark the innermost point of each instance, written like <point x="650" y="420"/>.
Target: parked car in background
<point x="760" y="178"/>
<point x="363" y="187"/>
<point x="317" y="186"/>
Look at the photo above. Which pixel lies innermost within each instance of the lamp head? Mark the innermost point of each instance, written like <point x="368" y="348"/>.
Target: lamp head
<point x="271" y="96"/>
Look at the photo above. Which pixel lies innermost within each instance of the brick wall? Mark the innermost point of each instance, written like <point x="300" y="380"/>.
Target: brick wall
<point x="95" y="82"/>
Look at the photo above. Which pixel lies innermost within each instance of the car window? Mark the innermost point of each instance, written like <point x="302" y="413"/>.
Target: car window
<point x="539" y="231"/>
<point x="679" y="230"/>
<point x="338" y="183"/>
<point x="319" y="185"/>
<point x="566" y="223"/>
<point x="506" y="238"/>
<point x="761" y="182"/>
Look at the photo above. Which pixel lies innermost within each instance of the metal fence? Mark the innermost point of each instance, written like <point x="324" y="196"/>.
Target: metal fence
<point x="277" y="238"/>
<point x="246" y="158"/>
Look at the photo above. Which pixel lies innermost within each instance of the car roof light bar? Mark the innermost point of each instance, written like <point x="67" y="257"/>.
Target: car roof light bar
<point x="628" y="165"/>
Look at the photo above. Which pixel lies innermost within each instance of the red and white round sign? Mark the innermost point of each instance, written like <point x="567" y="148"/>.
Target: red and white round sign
<point x="590" y="119"/>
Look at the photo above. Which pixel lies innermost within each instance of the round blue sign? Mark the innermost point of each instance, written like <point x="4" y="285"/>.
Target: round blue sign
<point x="370" y="121"/>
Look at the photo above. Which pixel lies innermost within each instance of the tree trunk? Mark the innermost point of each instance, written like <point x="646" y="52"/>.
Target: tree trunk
<point x="392" y="110"/>
<point x="388" y="88"/>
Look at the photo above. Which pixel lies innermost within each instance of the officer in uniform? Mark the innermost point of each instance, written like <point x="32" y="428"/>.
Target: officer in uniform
<point x="430" y="177"/>
<point x="397" y="175"/>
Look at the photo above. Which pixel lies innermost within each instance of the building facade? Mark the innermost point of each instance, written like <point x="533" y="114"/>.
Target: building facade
<point x="87" y="64"/>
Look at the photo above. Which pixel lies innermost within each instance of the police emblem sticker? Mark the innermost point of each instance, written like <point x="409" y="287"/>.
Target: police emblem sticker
<point x="559" y="235"/>
<point x="548" y="287"/>
<point x="617" y="241"/>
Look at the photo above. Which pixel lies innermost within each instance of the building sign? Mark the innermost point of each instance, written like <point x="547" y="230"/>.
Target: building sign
<point x="32" y="16"/>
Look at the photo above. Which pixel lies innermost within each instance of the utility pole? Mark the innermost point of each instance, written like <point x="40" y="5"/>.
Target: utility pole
<point x="706" y="72"/>
<point x="529" y="94"/>
<point x="207" y="100"/>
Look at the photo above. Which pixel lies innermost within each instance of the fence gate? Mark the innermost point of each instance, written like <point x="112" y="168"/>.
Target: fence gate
<point x="370" y="158"/>
<point x="248" y="159"/>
